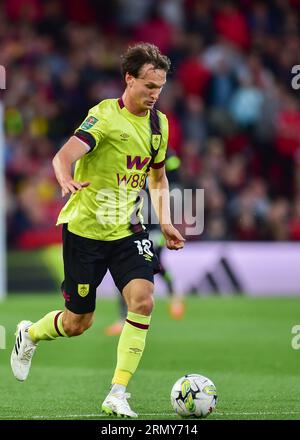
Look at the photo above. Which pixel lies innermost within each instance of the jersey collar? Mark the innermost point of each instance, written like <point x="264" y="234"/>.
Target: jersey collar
<point x="121" y="103"/>
<point x="131" y="115"/>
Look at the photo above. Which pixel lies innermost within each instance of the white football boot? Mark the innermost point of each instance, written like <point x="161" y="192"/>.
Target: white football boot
<point x="117" y="405"/>
<point x="23" y="351"/>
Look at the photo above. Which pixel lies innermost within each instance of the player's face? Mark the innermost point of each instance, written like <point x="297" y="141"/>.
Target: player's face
<point x="145" y="89"/>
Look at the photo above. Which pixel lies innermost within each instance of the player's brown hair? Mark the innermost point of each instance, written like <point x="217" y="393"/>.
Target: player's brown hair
<point x="143" y="53"/>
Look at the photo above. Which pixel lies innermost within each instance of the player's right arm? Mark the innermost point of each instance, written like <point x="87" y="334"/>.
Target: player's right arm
<point x="62" y="162"/>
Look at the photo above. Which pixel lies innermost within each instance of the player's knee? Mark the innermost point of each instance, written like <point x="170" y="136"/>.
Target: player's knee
<point x="143" y="305"/>
<point x="147" y="306"/>
<point x="77" y="328"/>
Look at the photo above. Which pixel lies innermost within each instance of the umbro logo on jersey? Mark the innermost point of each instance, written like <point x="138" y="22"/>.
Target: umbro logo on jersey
<point x="124" y="136"/>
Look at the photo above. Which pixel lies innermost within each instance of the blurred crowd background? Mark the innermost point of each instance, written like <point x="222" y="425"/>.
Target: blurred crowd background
<point x="234" y="116"/>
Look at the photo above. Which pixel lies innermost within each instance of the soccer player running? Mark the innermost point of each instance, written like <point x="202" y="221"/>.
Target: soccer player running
<point x="119" y="144"/>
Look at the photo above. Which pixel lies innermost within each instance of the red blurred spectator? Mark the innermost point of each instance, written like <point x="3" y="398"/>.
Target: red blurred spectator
<point x="155" y="30"/>
<point x="26" y="10"/>
<point x="166" y="105"/>
<point x="287" y="127"/>
<point x="294" y="224"/>
<point x="80" y="11"/>
<point x="234" y="174"/>
<point x="175" y="133"/>
<point x="246" y="227"/>
<point x="193" y="76"/>
<point x="35" y="238"/>
<point x="191" y="165"/>
<point x="191" y="73"/>
<point x="232" y="25"/>
<point x="236" y="143"/>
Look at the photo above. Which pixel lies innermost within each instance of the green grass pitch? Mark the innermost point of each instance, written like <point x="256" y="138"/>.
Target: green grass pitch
<point x="242" y="344"/>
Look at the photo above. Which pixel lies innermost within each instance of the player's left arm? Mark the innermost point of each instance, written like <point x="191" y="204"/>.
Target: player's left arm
<point x="160" y="198"/>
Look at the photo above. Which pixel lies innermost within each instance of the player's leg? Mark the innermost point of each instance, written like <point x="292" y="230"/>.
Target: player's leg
<point x="60" y="323"/>
<point x="177" y="307"/>
<point x="138" y="294"/>
<point x="132" y="266"/>
<point x="79" y="291"/>
<point x="53" y="325"/>
<point x="176" y="304"/>
<point x="115" y="329"/>
<point x="167" y="279"/>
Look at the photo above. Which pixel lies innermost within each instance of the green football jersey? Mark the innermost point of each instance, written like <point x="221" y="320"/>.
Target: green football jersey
<point x="117" y="166"/>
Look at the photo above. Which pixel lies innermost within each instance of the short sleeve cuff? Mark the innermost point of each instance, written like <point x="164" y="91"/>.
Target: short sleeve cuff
<point x="86" y="137"/>
<point x="158" y="165"/>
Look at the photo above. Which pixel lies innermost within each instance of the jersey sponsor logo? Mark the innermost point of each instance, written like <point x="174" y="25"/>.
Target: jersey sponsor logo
<point x="89" y="122"/>
<point x="137" y="162"/>
<point x="156" y="139"/>
<point x="133" y="180"/>
<point x="83" y="290"/>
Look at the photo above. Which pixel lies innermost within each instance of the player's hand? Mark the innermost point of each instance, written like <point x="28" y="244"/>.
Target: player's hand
<point x="71" y="186"/>
<point x="174" y="239"/>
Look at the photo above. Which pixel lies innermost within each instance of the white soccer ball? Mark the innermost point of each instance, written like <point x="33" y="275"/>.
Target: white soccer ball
<point x="193" y="395"/>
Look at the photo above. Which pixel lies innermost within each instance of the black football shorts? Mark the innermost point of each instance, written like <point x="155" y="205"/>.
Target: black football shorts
<point x="86" y="261"/>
